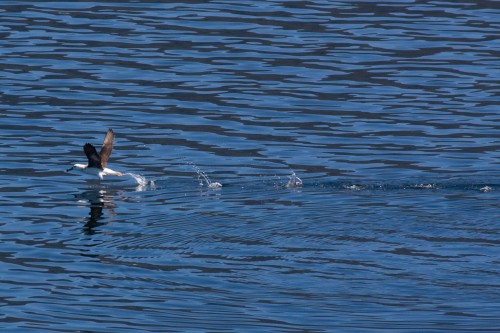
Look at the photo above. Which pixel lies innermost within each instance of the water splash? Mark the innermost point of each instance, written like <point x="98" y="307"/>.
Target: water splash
<point x="294" y="181"/>
<point x="203" y="178"/>
<point x="486" y="189"/>
<point x="353" y="187"/>
<point x="425" y="186"/>
<point x="142" y="182"/>
<point x="214" y="185"/>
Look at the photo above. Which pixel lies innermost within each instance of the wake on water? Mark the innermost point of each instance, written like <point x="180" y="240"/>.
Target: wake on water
<point x="203" y="179"/>
<point x="144" y="184"/>
<point x="294" y="181"/>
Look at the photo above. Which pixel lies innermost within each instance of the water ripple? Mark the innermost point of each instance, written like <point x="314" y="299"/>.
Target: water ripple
<point x="386" y="112"/>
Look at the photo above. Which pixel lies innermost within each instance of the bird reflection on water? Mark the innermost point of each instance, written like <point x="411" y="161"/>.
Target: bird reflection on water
<point x="98" y="200"/>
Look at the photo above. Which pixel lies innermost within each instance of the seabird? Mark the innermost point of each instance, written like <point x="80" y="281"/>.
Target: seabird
<point x="97" y="162"/>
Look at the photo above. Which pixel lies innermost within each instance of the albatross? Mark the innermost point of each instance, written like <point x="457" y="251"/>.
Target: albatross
<point x="97" y="161"/>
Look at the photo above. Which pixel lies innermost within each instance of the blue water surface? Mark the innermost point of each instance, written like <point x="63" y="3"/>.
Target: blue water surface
<point x="357" y="145"/>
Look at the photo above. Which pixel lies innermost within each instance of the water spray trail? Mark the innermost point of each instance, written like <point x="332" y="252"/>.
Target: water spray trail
<point x="204" y="179"/>
<point x="142" y="182"/>
<point x="294" y="181"/>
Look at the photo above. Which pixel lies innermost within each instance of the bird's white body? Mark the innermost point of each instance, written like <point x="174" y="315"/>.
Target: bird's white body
<point x="96" y="171"/>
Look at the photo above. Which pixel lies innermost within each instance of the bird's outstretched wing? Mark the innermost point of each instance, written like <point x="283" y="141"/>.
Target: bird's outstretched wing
<point x="92" y="156"/>
<point x="107" y="147"/>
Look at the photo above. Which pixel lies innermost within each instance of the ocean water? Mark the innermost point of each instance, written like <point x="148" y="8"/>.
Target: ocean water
<point x="291" y="166"/>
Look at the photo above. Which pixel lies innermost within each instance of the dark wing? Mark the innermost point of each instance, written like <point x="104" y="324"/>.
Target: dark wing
<point x="92" y="156"/>
<point x="107" y="147"/>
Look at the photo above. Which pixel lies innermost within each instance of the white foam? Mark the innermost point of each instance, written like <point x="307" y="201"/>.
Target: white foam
<point x="486" y="189"/>
<point x="353" y="187"/>
<point x="426" y="186"/>
<point x="215" y="185"/>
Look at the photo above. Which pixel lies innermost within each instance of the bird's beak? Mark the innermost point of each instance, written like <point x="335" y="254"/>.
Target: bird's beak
<point x="70" y="169"/>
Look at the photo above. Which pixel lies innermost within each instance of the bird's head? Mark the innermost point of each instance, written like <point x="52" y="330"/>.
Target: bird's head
<point x="77" y="166"/>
